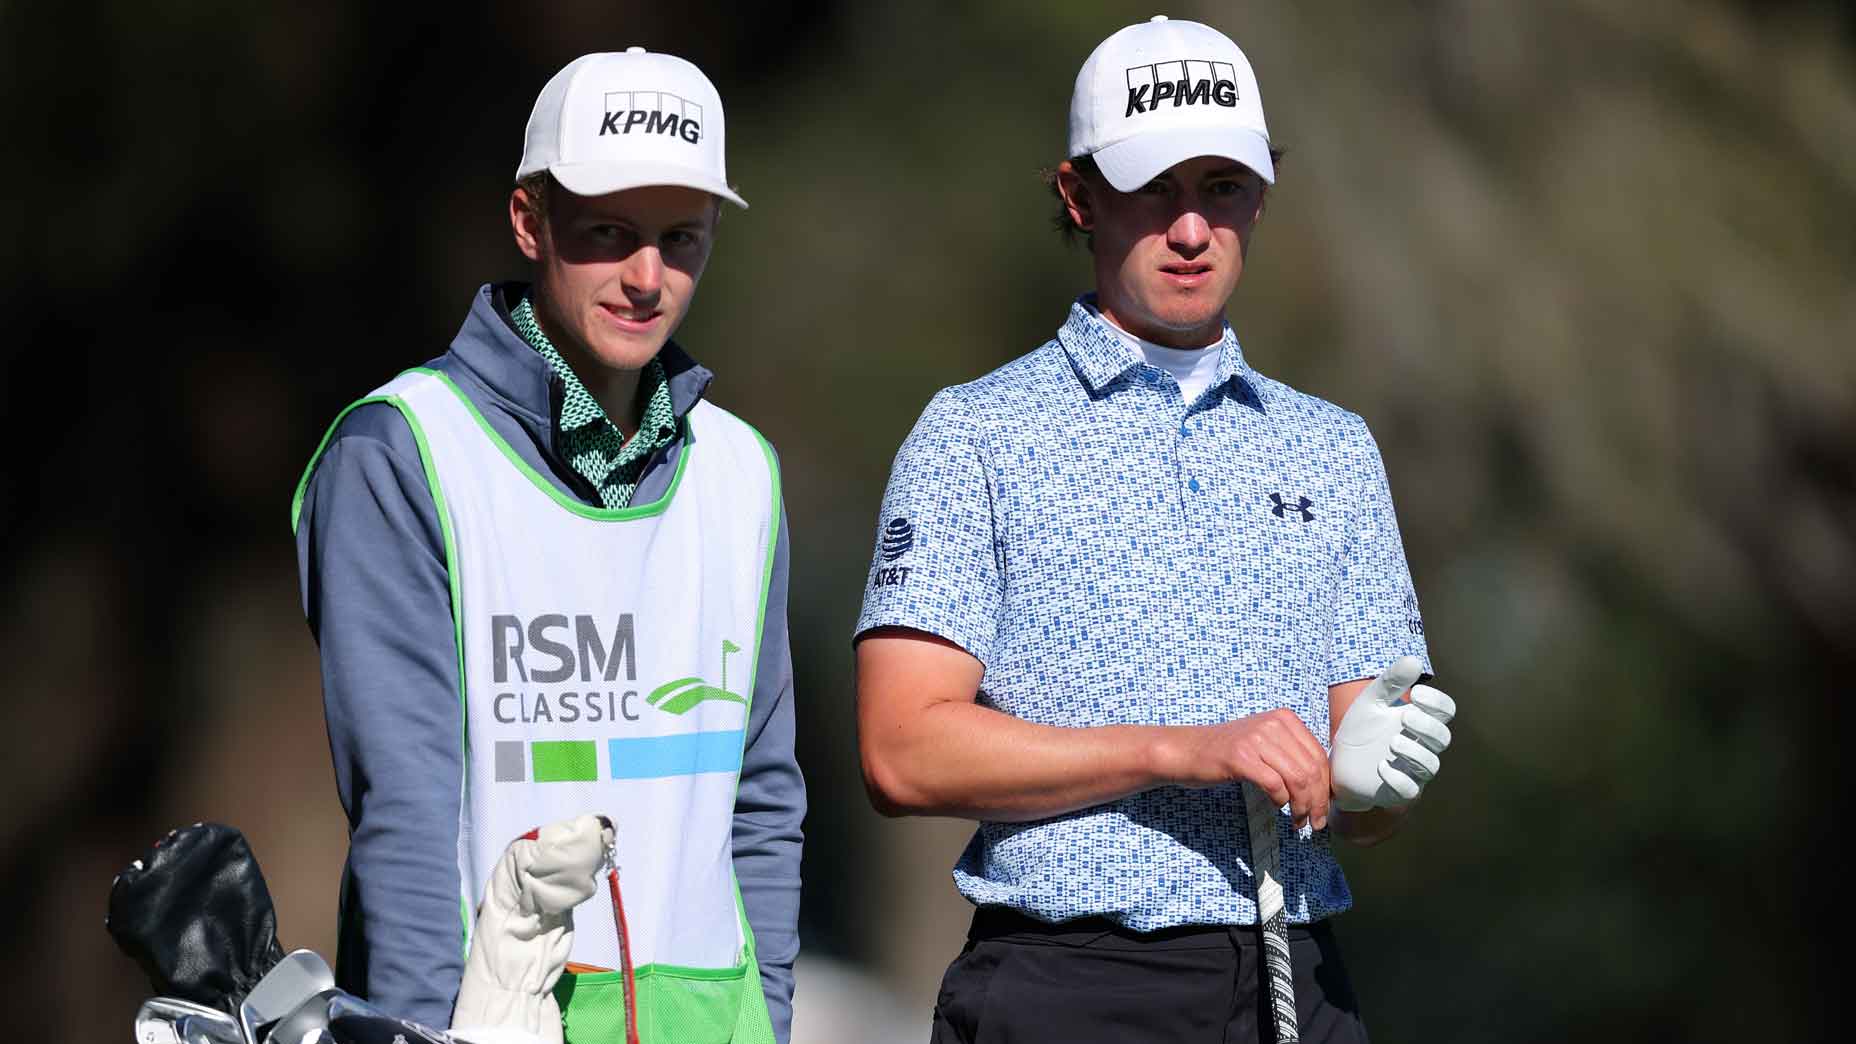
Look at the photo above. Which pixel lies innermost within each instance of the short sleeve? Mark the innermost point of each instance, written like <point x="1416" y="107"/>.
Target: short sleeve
<point x="934" y="566"/>
<point x="1376" y="620"/>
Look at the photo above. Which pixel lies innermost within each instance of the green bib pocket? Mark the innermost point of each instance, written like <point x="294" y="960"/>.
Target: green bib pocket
<point x="675" y="1005"/>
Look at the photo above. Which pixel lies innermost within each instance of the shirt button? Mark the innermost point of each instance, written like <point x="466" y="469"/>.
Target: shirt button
<point x="1182" y="430"/>
<point x="1193" y="485"/>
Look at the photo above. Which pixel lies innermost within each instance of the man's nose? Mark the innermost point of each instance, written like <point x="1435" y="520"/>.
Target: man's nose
<point x="1189" y="233"/>
<point x="643" y="274"/>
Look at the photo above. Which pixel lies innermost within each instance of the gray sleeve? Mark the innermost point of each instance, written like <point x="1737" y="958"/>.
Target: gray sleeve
<point x="770" y="807"/>
<point x="370" y="556"/>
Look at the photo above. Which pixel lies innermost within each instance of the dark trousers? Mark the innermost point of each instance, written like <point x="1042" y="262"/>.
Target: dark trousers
<point x="1020" y="980"/>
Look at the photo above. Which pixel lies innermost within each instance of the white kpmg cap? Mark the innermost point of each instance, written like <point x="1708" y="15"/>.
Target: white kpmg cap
<point x="1161" y="91"/>
<point x="623" y="120"/>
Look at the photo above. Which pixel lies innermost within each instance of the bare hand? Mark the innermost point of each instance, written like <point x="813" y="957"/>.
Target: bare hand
<point x="1273" y="750"/>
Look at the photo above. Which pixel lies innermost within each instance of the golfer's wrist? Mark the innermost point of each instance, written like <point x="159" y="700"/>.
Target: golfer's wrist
<point x="1166" y="755"/>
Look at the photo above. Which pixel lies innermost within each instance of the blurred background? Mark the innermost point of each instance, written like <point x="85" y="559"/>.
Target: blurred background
<point x="1586" y="267"/>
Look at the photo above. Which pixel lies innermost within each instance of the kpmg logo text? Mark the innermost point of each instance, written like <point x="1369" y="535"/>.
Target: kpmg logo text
<point x="651" y="112"/>
<point x="1188" y="82"/>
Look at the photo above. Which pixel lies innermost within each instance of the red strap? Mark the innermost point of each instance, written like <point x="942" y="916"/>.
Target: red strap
<point x="625" y="960"/>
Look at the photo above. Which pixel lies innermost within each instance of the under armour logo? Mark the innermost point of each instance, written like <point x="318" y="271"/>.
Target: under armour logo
<point x="1302" y="505"/>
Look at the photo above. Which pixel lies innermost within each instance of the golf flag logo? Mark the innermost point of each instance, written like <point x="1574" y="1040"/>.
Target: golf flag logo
<point x="678" y="697"/>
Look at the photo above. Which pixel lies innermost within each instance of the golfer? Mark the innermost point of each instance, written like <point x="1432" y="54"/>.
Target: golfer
<point x="548" y="578"/>
<point x="1126" y="573"/>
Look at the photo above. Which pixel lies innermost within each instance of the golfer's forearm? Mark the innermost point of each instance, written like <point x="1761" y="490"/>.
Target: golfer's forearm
<point x="960" y="759"/>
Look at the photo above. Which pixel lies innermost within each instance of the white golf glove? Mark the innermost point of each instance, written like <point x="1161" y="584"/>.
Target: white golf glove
<point x="525" y="930"/>
<point x="1386" y="749"/>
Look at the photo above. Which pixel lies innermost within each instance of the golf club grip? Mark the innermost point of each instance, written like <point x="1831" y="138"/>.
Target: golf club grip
<point x="1278" y="972"/>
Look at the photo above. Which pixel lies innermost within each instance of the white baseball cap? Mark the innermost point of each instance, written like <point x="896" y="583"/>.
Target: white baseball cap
<point x="622" y="120"/>
<point x="1162" y="91"/>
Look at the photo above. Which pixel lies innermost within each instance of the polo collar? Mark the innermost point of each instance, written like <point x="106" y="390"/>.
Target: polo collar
<point x="490" y="346"/>
<point x="1101" y="355"/>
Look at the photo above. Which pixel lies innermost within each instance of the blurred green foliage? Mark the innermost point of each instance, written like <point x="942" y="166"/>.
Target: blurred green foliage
<point x="1585" y="267"/>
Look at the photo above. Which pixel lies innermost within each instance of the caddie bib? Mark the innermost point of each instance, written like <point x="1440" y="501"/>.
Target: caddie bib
<point x="608" y="657"/>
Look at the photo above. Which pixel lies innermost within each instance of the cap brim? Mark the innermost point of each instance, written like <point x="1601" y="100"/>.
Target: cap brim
<point x="1133" y="162"/>
<point x="598" y="179"/>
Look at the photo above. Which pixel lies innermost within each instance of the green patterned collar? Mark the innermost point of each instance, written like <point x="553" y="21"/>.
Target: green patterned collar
<point x="586" y="438"/>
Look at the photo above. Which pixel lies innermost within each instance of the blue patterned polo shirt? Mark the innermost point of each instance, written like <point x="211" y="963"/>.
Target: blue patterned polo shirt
<point x="1114" y="555"/>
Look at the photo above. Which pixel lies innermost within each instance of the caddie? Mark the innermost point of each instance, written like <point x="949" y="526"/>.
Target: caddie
<point x="1125" y="574"/>
<point x="548" y="578"/>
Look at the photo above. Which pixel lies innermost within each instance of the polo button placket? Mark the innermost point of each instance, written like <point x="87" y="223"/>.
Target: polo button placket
<point x="1188" y="459"/>
<point x="1177" y="400"/>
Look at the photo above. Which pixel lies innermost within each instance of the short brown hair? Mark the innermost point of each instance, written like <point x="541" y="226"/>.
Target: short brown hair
<point x="536" y="185"/>
<point x="1086" y="167"/>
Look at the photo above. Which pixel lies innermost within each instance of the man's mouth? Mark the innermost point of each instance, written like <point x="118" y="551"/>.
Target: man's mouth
<point x="629" y="317"/>
<point x="1187" y="273"/>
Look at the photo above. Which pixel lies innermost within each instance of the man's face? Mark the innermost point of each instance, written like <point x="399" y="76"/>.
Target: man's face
<point x="1169" y="254"/>
<point x="614" y="274"/>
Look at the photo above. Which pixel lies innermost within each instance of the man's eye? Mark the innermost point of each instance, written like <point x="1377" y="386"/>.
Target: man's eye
<point x="1154" y="188"/>
<point x="604" y="231"/>
<point x="680" y="237"/>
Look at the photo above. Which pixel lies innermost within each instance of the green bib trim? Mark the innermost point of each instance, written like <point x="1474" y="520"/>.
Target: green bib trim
<point x="451" y="559"/>
<point x="656" y="507"/>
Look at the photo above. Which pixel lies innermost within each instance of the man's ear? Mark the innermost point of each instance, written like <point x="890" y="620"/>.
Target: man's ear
<point x="1077" y="199"/>
<point x="526" y="222"/>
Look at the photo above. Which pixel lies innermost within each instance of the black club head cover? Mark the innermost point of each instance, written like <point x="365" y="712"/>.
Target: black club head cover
<point x="195" y="914"/>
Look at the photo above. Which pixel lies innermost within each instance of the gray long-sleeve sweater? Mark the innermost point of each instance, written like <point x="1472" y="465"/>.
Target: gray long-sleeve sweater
<point x="370" y="555"/>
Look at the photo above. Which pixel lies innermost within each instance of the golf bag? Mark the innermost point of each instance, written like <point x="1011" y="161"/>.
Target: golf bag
<point x="196" y="916"/>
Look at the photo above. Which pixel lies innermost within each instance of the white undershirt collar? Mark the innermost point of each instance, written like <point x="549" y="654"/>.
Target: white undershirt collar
<point x="1193" y="368"/>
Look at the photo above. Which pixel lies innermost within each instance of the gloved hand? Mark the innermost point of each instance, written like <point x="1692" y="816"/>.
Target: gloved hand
<point x="525" y="930"/>
<point x="1386" y="749"/>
